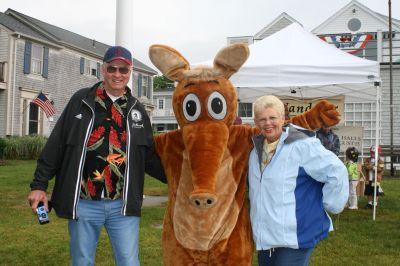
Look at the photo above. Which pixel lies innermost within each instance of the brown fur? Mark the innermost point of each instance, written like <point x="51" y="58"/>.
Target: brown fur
<point x="206" y="220"/>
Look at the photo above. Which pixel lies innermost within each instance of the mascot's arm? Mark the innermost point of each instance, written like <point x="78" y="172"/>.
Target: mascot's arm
<point x="172" y="139"/>
<point x="323" y="113"/>
<point x="241" y="132"/>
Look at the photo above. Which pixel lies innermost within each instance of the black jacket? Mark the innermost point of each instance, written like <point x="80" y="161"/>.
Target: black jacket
<point x="64" y="155"/>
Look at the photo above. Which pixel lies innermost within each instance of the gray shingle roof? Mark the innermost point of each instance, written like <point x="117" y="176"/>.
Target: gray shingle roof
<point x="27" y="25"/>
<point x="16" y="26"/>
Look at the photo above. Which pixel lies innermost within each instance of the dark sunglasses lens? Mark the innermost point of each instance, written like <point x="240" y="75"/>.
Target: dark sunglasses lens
<point x="123" y="70"/>
<point x="111" y="69"/>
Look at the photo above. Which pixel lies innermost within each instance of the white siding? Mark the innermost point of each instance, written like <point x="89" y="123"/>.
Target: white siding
<point x="339" y="24"/>
<point x="4" y="54"/>
<point x="386" y="104"/>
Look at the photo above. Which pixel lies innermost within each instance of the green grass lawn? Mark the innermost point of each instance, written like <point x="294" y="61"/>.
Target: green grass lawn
<point x="357" y="239"/>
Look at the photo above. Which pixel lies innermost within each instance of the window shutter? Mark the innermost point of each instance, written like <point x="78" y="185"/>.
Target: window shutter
<point x="82" y="65"/>
<point x="149" y="87"/>
<point x="27" y="57"/>
<point x="98" y="71"/>
<point x="139" y="85"/>
<point x="45" y="73"/>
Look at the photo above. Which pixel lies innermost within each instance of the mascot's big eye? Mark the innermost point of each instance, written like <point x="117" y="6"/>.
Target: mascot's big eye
<point x="216" y="105"/>
<point x="191" y="107"/>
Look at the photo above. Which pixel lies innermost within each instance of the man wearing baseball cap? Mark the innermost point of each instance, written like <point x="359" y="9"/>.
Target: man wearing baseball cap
<point x="98" y="151"/>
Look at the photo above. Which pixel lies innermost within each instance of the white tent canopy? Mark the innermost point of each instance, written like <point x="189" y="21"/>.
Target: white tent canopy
<point x="294" y="59"/>
<point x="294" y="62"/>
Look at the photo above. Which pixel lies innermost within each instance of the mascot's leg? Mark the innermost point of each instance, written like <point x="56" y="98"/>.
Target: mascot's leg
<point x="174" y="254"/>
<point x="239" y="248"/>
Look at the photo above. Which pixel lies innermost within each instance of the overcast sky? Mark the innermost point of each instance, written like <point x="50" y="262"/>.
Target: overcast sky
<point x="196" y="28"/>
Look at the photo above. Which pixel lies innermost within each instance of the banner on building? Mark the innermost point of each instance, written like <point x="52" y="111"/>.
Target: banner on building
<point x="298" y="106"/>
<point x="350" y="43"/>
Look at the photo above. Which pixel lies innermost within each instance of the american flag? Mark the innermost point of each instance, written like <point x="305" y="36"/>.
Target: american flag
<point x="43" y="102"/>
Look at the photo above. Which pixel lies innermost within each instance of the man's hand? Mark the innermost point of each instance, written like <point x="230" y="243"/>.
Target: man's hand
<point x="36" y="196"/>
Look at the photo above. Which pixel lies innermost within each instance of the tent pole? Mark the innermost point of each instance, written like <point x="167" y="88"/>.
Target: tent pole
<point x="377" y="138"/>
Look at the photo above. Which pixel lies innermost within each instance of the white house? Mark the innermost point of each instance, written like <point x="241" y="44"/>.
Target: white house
<point x="39" y="57"/>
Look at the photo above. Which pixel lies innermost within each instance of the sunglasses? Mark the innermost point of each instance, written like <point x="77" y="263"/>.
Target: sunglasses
<point x="113" y="69"/>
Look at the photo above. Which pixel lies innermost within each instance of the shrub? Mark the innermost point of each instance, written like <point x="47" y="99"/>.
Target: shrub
<point x="2" y="147"/>
<point x="25" y="147"/>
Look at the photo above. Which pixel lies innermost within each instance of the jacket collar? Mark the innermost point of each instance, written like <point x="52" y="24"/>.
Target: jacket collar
<point x="290" y="134"/>
<point x="91" y="95"/>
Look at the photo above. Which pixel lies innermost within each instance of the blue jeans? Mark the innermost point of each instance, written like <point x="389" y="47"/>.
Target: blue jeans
<point x="123" y="232"/>
<point x="284" y="257"/>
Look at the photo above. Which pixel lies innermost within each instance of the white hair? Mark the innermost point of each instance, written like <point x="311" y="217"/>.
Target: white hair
<point x="267" y="101"/>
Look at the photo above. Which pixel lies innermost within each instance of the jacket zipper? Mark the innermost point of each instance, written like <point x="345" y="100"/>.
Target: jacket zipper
<point x="258" y="240"/>
<point x="128" y="146"/>
<point x="81" y="163"/>
<point x="259" y="163"/>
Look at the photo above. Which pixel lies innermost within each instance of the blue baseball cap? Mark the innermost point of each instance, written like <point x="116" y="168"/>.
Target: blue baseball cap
<point x="118" y="53"/>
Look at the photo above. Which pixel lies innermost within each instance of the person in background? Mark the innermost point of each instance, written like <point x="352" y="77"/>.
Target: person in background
<point x="369" y="169"/>
<point x="329" y="139"/>
<point x="238" y="121"/>
<point x="293" y="181"/>
<point x="99" y="150"/>
<point x="361" y="182"/>
<point x="354" y="176"/>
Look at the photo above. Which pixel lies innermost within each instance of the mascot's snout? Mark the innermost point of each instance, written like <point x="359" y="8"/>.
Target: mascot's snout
<point x="205" y="144"/>
<point x="202" y="200"/>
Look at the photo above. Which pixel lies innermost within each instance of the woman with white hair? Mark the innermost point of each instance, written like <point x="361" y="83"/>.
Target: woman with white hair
<point x="293" y="181"/>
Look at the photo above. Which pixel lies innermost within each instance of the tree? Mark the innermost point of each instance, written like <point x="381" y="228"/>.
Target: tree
<point x="161" y="82"/>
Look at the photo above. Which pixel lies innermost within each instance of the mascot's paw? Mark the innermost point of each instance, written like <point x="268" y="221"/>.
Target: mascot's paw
<point x="322" y="114"/>
<point x="327" y="112"/>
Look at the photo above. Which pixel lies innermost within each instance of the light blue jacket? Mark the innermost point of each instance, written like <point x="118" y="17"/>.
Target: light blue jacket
<point x="289" y="197"/>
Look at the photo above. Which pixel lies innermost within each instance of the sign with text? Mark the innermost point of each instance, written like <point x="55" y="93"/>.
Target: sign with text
<point x="298" y="106"/>
<point x="349" y="137"/>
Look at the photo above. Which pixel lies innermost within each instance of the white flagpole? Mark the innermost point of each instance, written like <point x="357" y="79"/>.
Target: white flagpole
<point x="124" y="27"/>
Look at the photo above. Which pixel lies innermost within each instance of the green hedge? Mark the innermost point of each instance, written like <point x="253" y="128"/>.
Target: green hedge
<point x="25" y="147"/>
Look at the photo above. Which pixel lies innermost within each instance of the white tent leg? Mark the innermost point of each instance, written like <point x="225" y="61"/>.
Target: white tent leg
<point x="377" y="137"/>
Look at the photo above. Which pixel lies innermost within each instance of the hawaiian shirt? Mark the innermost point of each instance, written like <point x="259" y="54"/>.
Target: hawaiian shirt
<point x="103" y="173"/>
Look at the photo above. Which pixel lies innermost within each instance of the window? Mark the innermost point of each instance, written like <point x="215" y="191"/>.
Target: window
<point x="245" y="110"/>
<point x="160" y="105"/>
<point x="362" y="115"/>
<point x="145" y="84"/>
<point x="160" y="128"/>
<point x="37" y="59"/>
<point x="33" y="124"/>
<point x="90" y="67"/>
<point x="2" y="71"/>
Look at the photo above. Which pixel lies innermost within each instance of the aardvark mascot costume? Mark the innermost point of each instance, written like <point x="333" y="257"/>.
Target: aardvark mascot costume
<point x="206" y="220"/>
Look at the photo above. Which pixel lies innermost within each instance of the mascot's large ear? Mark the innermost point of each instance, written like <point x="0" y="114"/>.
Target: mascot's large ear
<point x="169" y="61"/>
<point x="231" y="58"/>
